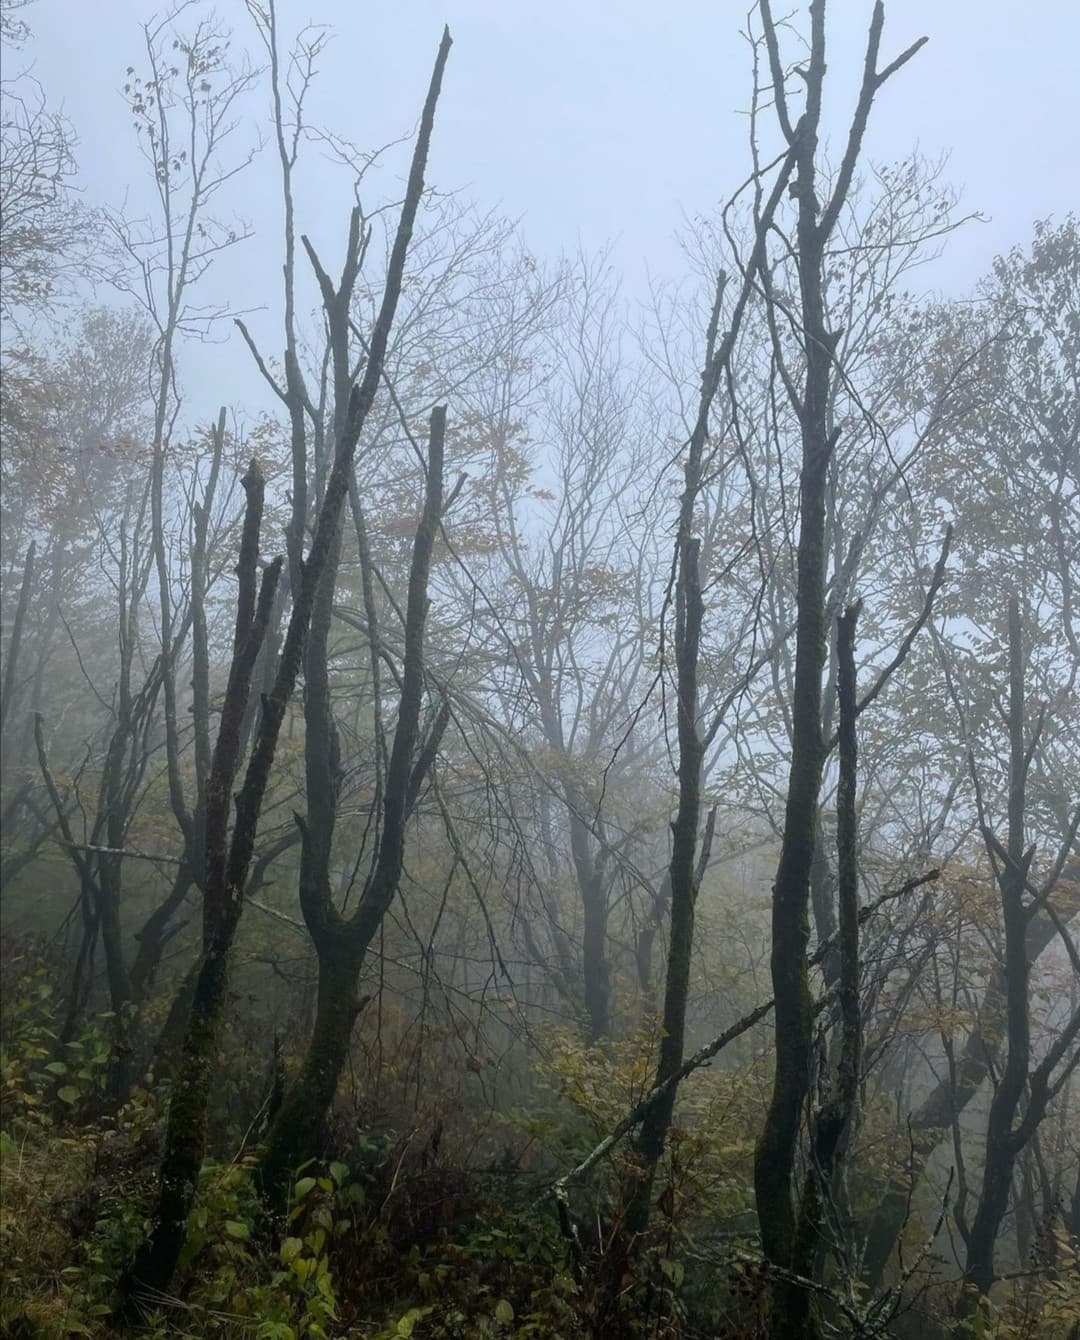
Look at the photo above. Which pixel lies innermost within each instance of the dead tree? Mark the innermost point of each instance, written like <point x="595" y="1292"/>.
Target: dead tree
<point x="693" y="735"/>
<point x="223" y="899"/>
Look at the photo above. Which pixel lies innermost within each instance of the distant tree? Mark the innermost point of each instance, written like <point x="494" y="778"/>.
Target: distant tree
<point x="568" y="586"/>
<point x="1001" y="462"/>
<point x="1022" y="897"/>
<point x="43" y="228"/>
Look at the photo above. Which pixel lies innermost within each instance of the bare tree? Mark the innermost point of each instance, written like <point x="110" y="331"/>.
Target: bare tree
<point x="186" y="1135"/>
<point x="184" y="116"/>
<point x="774" y="1170"/>
<point x="44" y="230"/>
<point x="342" y="942"/>
<point x="1011" y="859"/>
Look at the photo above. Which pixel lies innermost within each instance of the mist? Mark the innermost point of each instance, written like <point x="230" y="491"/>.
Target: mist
<point x="540" y="662"/>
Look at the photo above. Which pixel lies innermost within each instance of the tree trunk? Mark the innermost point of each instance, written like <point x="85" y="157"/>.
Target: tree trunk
<point x="833" y="1124"/>
<point x="11" y="661"/>
<point x="297" y="1128"/>
<point x="226" y="868"/>
<point x="774" y="1161"/>
<point x="932" y="1119"/>
<point x="341" y="942"/>
<point x="185" y="1133"/>
<point x="791" y="1314"/>
<point x="596" y="969"/>
<point x="157" y="932"/>
<point x="684" y="833"/>
<point x="1001" y="1143"/>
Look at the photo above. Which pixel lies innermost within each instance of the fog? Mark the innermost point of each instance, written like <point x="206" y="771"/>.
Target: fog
<point x="541" y="661"/>
<point x="597" y="129"/>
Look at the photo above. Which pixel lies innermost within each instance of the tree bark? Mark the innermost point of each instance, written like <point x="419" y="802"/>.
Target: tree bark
<point x="342" y="942"/>
<point x="833" y="1125"/>
<point x="774" y="1161"/>
<point x="791" y="1313"/>
<point x="185" y="1136"/>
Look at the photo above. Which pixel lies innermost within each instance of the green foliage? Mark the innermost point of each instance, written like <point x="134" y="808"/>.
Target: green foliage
<point x="232" y="1268"/>
<point x="74" y="1207"/>
<point x="583" y="1092"/>
<point x="43" y="1081"/>
<point x="506" y="1278"/>
<point x="392" y="1239"/>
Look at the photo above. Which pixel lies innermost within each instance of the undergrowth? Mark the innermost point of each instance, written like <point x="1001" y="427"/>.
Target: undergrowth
<point x="400" y="1231"/>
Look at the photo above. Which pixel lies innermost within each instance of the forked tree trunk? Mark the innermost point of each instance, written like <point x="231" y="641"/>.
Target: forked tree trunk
<point x="342" y="942"/>
<point x="1006" y="1136"/>
<point x="791" y="1314"/>
<point x="228" y="863"/>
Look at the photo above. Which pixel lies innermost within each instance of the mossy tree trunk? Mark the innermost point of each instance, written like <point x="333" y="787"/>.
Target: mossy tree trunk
<point x="185" y="1135"/>
<point x="299" y="1120"/>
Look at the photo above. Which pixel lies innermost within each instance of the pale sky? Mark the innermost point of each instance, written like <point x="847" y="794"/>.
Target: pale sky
<point x="599" y="122"/>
